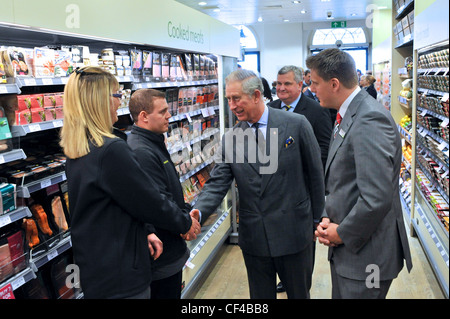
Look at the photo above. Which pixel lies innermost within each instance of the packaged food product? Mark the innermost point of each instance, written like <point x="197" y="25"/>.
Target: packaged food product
<point x="44" y="62"/>
<point x="136" y="61"/>
<point x="165" y="66"/>
<point x="41" y="217"/>
<point x="37" y="115"/>
<point x="157" y="66"/>
<point x="63" y="63"/>
<point x="31" y="232"/>
<point x="23" y="117"/>
<point x="58" y="213"/>
<point x="22" y="61"/>
<point x="147" y="60"/>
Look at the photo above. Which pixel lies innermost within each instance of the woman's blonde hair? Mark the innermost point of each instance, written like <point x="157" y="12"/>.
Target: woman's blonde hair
<point x="87" y="115"/>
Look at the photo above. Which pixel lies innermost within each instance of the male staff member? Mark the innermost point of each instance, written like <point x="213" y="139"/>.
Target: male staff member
<point x="277" y="209"/>
<point x="289" y="92"/>
<point x="364" y="228"/>
<point x="149" y="110"/>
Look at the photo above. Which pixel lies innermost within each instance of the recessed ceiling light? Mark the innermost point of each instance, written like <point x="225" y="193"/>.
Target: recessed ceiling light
<point x="303" y="11"/>
<point x="260" y="19"/>
<point x="216" y="10"/>
<point x="202" y="3"/>
<point x="296" y="2"/>
<point x="353" y="14"/>
<point x="286" y="20"/>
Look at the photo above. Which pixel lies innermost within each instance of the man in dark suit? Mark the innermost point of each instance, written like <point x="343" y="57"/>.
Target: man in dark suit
<point x="364" y="229"/>
<point x="281" y="189"/>
<point x="289" y="92"/>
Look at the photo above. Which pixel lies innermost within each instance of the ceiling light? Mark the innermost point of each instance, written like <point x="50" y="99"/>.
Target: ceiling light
<point x="296" y="2"/>
<point x="303" y="11"/>
<point x="353" y="14"/>
<point x="216" y="10"/>
<point x="286" y="20"/>
<point x="202" y="3"/>
<point x="260" y="19"/>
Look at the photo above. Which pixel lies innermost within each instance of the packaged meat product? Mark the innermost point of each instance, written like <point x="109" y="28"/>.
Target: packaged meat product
<point x="41" y="217"/>
<point x="31" y="232"/>
<point x="58" y="213"/>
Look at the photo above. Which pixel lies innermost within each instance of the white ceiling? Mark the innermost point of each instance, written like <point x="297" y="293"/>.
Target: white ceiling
<point x="247" y="12"/>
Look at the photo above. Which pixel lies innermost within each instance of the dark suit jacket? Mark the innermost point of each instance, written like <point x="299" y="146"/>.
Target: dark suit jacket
<point x="276" y="210"/>
<point x="361" y="177"/>
<point x="372" y="91"/>
<point x="318" y="117"/>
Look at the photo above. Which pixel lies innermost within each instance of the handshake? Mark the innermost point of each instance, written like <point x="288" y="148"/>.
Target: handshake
<point x="196" y="228"/>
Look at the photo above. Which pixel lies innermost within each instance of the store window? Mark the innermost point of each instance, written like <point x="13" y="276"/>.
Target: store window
<point x="250" y="58"/>
<point x="352" y="40"/>
<point x="346" y="35"/>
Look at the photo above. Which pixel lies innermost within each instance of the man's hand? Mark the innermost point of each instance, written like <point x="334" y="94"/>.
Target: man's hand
<point x="327" y="234"/>
<point x="155" y="245"/>
<point x="195" y="213"/>
<point x="193" y="231"/>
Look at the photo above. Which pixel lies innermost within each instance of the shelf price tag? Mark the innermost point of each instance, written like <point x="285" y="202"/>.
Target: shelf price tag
<point x="34" y="127"/>
<point x="46" y="183"/>
<point x="444" y="123"/>
<point x="442" y="146"/>
<point x="29" y="82"/>
<point x="5" y="220"/>
<point x="57" y="123"/>
<point x="52" y="255"/>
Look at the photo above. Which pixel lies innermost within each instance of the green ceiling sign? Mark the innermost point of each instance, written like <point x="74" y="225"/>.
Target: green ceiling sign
<point x="338" y="24"/>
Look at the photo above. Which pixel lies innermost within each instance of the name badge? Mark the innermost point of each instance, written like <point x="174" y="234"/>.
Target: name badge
<point x="342" y="133"/>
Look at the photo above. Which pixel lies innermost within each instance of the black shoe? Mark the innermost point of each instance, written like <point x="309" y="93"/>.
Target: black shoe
<point x="280" y="287"/>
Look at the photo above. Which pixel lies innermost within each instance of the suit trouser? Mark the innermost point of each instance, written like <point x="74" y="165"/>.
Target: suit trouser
<point x="295" y="271"/>
<point x="346" y="288"/>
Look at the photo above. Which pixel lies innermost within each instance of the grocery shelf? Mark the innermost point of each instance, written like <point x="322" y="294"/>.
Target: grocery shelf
<point x="11" y="156"/>
<point x="14" y="215"/>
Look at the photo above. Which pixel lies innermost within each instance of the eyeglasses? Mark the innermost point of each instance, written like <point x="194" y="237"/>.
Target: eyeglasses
<point x="118" y="95"/>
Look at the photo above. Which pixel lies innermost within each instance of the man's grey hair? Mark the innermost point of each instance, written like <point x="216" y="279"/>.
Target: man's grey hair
<point x="298" y="72"/>
<point x="250" y="81"/>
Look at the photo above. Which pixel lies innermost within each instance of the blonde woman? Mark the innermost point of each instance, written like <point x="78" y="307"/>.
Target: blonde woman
<point x="111" y="197"/>
<point x="367" y="82"/>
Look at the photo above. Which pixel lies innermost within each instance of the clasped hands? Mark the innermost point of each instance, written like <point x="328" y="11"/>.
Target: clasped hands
<point x="196" y="228"/>
<point x="326" y="232"/>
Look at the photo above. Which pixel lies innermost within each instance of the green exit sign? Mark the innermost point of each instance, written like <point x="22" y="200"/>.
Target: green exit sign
<point x="339" y="24"/>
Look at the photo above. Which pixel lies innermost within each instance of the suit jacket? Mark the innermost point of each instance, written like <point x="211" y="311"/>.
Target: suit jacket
<point x="372" y="91"/>
<point x="362" y="189"/>
<point x="276" y="210"/>
<point x="318" y="117"/>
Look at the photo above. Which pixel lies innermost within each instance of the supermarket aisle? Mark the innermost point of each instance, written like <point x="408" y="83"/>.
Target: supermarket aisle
<point x="228" y="278"/>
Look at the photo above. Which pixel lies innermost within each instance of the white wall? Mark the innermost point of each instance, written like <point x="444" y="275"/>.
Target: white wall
<point x="279" y="45"/>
